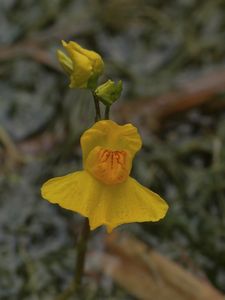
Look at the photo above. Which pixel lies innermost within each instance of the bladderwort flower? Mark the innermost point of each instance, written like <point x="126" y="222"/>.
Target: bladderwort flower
<point x="104" y="192"/>
<point x="82" y="66"/>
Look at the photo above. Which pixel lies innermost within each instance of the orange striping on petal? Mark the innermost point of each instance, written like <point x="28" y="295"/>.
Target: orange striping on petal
<point x="109" y="166"/>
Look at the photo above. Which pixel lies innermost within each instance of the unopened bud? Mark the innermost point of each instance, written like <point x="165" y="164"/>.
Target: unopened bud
<point x="109" y="92"/>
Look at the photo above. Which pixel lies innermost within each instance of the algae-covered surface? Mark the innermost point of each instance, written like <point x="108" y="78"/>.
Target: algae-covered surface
<point x="154" y="47"/>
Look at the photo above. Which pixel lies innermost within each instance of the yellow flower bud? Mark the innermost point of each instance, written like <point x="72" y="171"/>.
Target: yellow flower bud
<point x="65" y="62"/>
<point x="82" y="65"/>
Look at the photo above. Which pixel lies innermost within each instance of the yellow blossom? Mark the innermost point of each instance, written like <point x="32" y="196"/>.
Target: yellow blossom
<point x="104" y="192"/>
<point x="82" y="65"/>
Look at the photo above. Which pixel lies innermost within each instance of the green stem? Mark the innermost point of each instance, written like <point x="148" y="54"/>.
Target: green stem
<point x="85" y="232"/>
<point x="107" y="111"/>
<point x="97" y="107"/>
<point x="76" y="284"/>
<point x="81" y="253"/>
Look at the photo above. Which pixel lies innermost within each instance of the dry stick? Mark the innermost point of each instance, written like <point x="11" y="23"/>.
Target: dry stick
<point x="160" y="278"/>
<point x="192" y="93"/>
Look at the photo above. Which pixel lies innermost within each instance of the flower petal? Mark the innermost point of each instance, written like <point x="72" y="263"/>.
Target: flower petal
<point x="110" y="135"/>
<point x="104" y="204"/>
<point x="128" y="202"/>
<point x="65" y="62"/>
<point x="96" y="60"/>
<point x="82" y="68"/>
<point x="110" y="167"/>
<point x="75" y="191"/>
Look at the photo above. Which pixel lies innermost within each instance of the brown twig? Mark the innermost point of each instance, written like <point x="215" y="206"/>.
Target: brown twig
<point x="192" y="93"/>
<point x="28" y="49"/>
<point x="127" y="260"/>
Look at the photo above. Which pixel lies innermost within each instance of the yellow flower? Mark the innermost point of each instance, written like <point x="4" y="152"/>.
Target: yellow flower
<point x="82" y="65"/>
<point x="104" y="192"/>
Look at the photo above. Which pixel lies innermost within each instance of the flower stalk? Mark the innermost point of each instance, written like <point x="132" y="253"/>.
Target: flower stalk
<point x="97" y="107"/>
<point x="85" y="231"/>
<point x="107" y="111"/>
<point x="81" y="254"/>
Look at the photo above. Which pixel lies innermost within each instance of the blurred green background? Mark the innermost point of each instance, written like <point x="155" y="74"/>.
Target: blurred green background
<point x="156" y="47"/>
